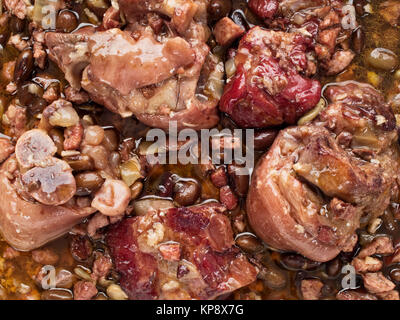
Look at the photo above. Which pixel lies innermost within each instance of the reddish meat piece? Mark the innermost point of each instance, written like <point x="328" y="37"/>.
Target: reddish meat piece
<point x="226" y="31"/>
<point x="76" y="96"/>
<point x="73" y="137"/>
<point x="267" y="88"/>
<point x="84" y="290"/>
<point x="311" y="289"/>
<point x="380" y="245"/>
<point x="265" y="9"/>
<point x="178" y="253"/>
<point x="321" y="21"/>
<point x="45" y="256"/>
<point x="101" y="266"/>
<point x="377" y="283"/>
<point x="16" y="120"/>
<point x="16" y="7"/>
<point x="219" y="177"/>
<point x="228" y="198"/>
<point x="368" y="264"/>
<point x="354" y="295"/>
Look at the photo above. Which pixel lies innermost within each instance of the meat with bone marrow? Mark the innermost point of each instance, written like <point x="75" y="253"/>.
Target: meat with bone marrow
<point x="314" y="187"/>
<point x="179" y="253"/>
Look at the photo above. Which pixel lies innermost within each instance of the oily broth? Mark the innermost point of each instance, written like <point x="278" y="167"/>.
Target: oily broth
<point x="17" y="276"/>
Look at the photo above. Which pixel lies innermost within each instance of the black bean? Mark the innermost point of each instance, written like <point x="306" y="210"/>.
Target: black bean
<point x="66" y="21"/>
<point x="80" y="162"/>
<point x="166" y="186"/>
<point x="365" y="238"/>
<point x="57" y="294"/>
<point x="88" y="182"/>
<point x="333" y="267"/>
<point x="358" y="40"/>
<point x="395" y="274"/>
<point x="23" y="66"/>
<point x="28" y="92"/>
<point x="110" y="140"/>
<point x="37" y="105"/>
<point x="249" y="243"/>
<point x="264" y="139"/>
<point x="359" y="5"/>
<point x="58" y="138"/>
<point x="219" y="9"/>
<point x="298" y="262"/>
<point x="186" y="193"/>
<point x="239" y="180"/>
<point x="81" y="248"/>
<point x="16" y="25"/>
<point x="274" y="277"/>
<point x="4" y="35"/>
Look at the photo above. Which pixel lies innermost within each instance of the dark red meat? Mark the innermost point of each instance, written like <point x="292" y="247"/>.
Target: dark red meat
<point x="268" y="88"/>
<point x="203" y="264"/>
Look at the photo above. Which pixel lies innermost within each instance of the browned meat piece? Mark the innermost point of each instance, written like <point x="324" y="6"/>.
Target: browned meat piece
<point x="27" y="225"/>
<point x="339" y="61"/>
<point x="368" y="264"/>
<point x="354" y="295"/>
<point x="84" y="290"/>
<point x="39" y="52"/>
<point x="15" y="120"/>
<point x="324" y="21"/>
<point x="76" y="96"/>
<point x="6" y="149"/>
<point x="97" y="222"/>
<point x="101" y="266"/>
<point x="45" y="256"/>
<point x="311" y="289"/>
<point x="181" y="12"/>
<point x="111" y="19"/>
<point x="17" y="41"/>
<point x="10" y="253"/>
<point x="16" y="7"/>
<point x="380" y="245"/>
<point x="51" y="94"/>
<point x="73" y="137"/>
<point x="390" y="11"/>
<point x="377" y="283"/>
<point x="201" y="264"/>
<point x="226" y="31"/>
<point x="390" y="295"/>
<point x="289" y="214"/>
<point x="228" y="198"/>
<point x="219" y="177"/>
<point x="7" y="72"/>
